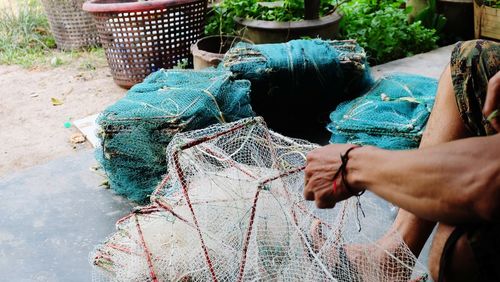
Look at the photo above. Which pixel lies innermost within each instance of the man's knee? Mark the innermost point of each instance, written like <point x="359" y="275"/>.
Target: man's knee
<point x="459" y="264"/>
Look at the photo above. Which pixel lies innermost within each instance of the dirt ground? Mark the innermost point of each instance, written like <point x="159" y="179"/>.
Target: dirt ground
<point x="32" y="129"/>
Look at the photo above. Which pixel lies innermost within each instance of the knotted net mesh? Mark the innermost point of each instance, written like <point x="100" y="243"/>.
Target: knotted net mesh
<point x="391" y="115"/>
<point x="232" y="209"/>
<point x="136" y="130"/>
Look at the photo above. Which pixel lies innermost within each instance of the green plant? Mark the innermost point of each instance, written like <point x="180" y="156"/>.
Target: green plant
<point x="491" y="3"/>
<point x="222" y="14"/>
<point x="24" y="34"/>
<point x="182" y="64"/>
<point x="381" y="27"/>
<point x="430" y="18"/>
<point x="25" y="40"/>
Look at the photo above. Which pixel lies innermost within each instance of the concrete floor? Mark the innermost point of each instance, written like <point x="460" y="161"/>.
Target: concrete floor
<point x="54" y="214"/>
<point x="429" y="64"/>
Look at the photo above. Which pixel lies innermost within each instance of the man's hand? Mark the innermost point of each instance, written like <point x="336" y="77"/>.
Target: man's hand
<point x="322" y="164"/>
<point x="492" y="102"/>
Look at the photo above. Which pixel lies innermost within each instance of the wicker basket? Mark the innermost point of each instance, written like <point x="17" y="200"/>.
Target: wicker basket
<point x="72" y="27"/>
<point x="142" y="37"/>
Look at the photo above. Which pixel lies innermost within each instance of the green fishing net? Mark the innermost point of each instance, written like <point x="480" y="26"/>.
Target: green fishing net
<point x="391" y="115"/>
<point x="136" y="130"/>
<point x="295" y="85"/>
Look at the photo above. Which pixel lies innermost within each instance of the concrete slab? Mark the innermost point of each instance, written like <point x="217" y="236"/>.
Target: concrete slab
<point x="429" y="64"/>
<point x="52" y="217"/>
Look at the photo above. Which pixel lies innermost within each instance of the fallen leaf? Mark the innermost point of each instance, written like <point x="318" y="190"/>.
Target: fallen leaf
<point x="56" y="102"/>
<point x="77" y="138"/>
<point x="105" y="184"/>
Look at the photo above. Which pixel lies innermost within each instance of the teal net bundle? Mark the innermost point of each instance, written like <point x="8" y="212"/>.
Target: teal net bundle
<point x="391" y="115"/>
<point x="295" y="85"/>
<point x="136" y="130"/>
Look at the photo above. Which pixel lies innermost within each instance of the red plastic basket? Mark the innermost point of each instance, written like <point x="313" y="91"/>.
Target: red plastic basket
<point x="142" y="37"/>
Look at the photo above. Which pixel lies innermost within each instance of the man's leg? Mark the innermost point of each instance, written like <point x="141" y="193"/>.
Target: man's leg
<point x="464" y="253"/>
<point x="444" y="125"/>
<point x="458" y="113"/>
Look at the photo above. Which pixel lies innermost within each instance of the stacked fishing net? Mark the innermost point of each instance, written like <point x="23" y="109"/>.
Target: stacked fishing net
<point x="295" y="85"/>
<point x="231" y="209"/>
<point x="392" y="115"/>
<point x="136" y="130"/>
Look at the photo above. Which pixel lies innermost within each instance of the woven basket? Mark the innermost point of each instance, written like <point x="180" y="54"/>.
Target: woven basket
<point x="143" y="37"/>
<point x="72" y="27"/>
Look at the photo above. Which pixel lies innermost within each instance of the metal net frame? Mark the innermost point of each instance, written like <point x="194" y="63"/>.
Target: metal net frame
<point x="231" y="208"/>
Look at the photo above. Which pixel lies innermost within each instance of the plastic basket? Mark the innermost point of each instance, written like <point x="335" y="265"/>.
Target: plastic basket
<point x="143" y="37"/>
<point x="72" y="27"/>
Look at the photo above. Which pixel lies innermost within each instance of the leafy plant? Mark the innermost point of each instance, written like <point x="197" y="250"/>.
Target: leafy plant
<point x="221" y="21"/>
<point x="430" y="18"/>
<point x="381" y="27"/>
<point x="490" y="3"/>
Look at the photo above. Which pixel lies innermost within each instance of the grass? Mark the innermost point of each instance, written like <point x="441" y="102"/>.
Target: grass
<point x="26" y="40"/>
<point x="25" y="37"/>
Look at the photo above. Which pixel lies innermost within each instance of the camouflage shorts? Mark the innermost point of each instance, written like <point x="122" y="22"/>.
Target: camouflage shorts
<point x="472" y="64"/>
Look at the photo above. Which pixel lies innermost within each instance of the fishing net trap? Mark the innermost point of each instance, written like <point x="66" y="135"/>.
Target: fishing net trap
<point x="292" y="85"/>
<point x="391" y="115"/>
<point x="231" y="208"/>
<point x="136" y="130"/>
<point x="295" y="85"/>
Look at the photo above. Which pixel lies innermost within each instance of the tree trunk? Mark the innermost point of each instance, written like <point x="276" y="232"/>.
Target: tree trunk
<point x="311" y="8"/>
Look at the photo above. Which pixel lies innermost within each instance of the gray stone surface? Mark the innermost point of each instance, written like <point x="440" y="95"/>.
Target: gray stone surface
<point x="52" y="217"/>
<point x="429" y="64"/>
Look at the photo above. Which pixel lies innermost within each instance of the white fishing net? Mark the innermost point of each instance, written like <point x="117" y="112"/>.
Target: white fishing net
<point x="232" y="209"/>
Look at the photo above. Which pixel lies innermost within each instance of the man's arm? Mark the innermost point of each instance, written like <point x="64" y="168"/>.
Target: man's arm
<point x="454" y="182"/>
